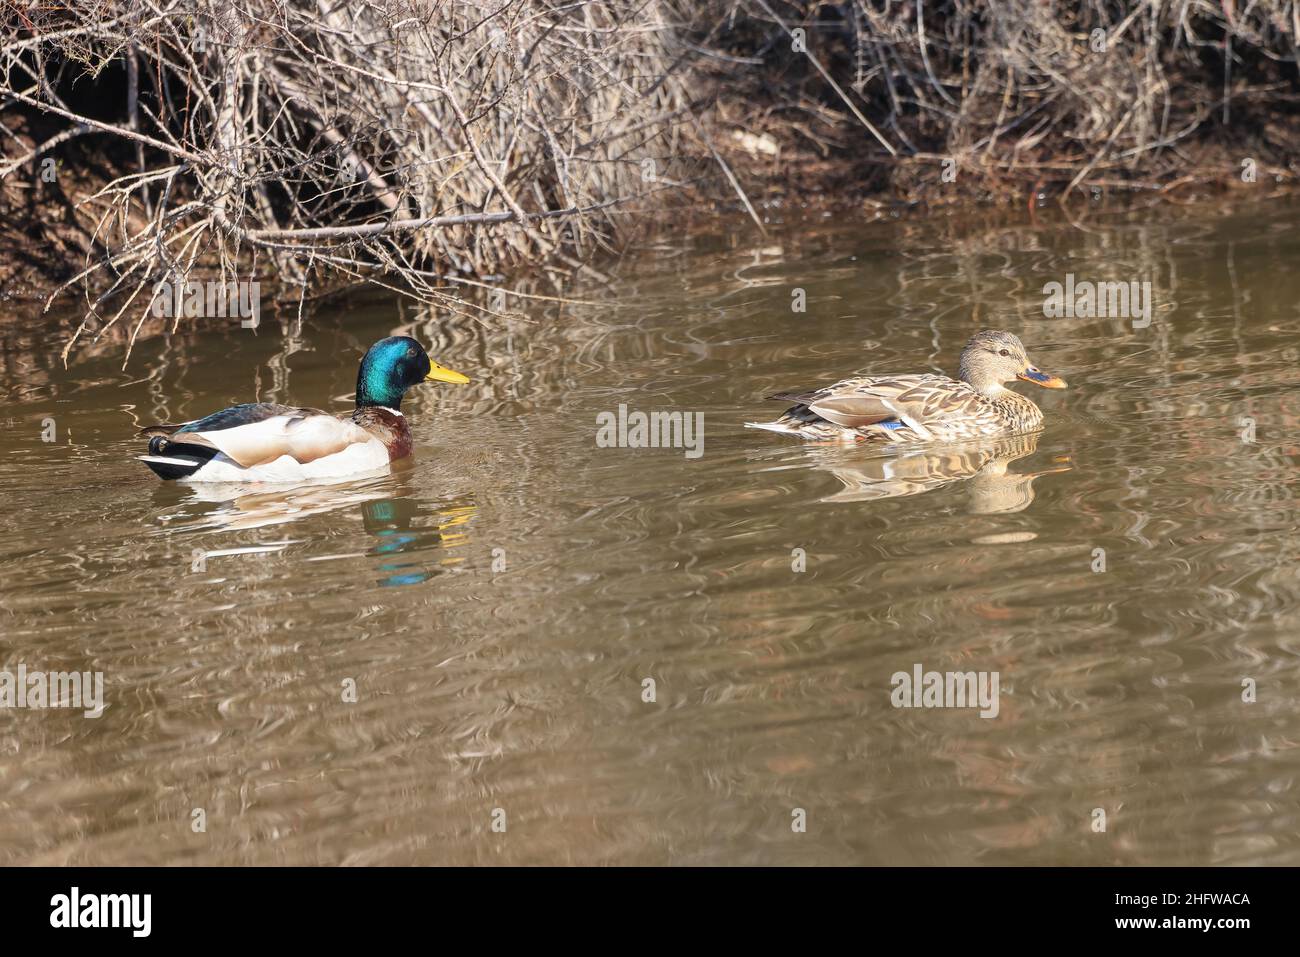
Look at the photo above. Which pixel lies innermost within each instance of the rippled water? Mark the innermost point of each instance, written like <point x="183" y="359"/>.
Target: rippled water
<point x="499" y="605"/>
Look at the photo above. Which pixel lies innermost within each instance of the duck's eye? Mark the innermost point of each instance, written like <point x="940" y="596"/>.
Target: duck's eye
<point x="1003" y="352"/>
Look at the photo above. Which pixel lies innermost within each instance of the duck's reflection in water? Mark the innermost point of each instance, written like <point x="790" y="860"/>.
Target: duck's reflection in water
<point x="426" y="537"/>
<point x="992" y="487"/>
<point x="240" y="506"/>
<point x="393" y="522"/>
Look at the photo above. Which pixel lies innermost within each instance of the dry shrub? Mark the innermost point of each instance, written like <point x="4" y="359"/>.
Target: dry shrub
<point x="408" y="141"/>
<point x="1042" y="94"/>
<point x="437" y="143"/>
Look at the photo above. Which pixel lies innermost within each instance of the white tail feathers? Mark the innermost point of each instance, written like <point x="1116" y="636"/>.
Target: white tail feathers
<point x="168" y="460"/>
<point x="771" y="427"/>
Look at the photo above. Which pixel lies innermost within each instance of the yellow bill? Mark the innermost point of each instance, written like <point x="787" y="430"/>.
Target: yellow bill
<point x="439" y="374"/>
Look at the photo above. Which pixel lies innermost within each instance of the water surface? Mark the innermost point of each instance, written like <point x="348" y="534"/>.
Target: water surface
<point x="499" y="605"/>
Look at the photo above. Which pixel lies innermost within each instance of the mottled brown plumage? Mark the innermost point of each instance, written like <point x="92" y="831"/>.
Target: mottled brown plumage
<point x="923" y="407"/>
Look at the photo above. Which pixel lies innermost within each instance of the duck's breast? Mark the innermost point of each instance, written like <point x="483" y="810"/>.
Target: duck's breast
<point x="387" y="427"/>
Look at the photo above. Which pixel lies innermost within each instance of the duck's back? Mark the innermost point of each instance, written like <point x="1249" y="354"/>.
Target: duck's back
<point x="921" y="407"/>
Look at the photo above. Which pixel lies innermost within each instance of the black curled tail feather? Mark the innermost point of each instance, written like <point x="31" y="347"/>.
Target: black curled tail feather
<point x="176" y="460"/>
<point x="161" y="428"/>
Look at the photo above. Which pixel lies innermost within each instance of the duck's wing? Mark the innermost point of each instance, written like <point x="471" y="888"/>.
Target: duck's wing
<point x="243" y="414"/>
<point x="255" y="433"/>
<point x="878" y="400"/>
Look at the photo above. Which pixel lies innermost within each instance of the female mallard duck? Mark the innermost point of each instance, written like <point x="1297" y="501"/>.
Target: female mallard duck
<point x="264" y="442"/>
<point x="924" y="408"/>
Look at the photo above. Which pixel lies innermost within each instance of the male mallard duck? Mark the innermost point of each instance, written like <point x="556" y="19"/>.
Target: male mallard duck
<point x="264" y="442"/>
<point x="924" y="407"/>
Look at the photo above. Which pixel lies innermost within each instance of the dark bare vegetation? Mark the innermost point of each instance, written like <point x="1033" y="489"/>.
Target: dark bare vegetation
<point x="437" y="146"/>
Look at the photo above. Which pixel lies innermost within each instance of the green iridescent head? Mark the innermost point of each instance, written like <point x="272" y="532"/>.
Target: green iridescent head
<point x="392" y="366"/>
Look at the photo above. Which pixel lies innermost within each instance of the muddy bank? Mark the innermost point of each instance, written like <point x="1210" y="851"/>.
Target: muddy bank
<point x="439" y="148"/>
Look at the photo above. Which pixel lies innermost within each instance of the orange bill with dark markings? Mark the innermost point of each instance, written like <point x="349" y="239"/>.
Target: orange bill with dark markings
<point x="1039" y="377"/>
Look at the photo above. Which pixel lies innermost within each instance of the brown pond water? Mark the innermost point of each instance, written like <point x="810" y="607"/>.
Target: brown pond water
<point x="499" y="605"/>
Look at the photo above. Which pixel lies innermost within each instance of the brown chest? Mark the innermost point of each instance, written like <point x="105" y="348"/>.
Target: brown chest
<point x="389" y="427"/>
